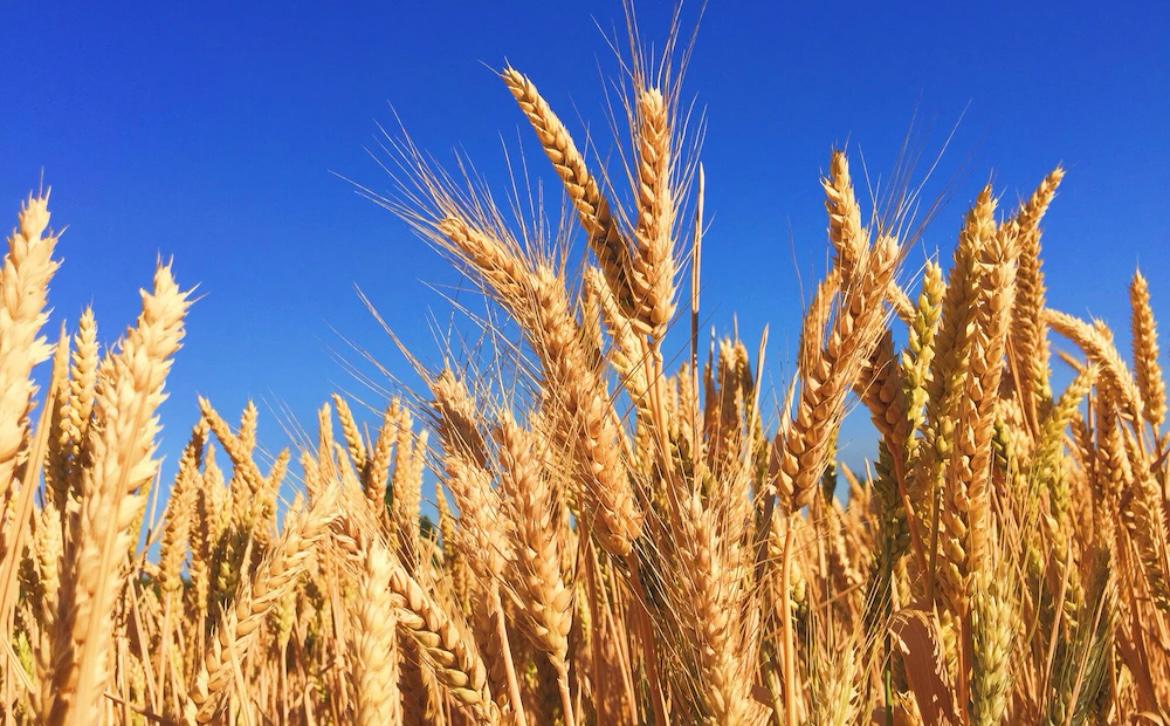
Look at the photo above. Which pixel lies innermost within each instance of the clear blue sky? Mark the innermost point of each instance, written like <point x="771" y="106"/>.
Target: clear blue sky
<point x="210" y="134"/>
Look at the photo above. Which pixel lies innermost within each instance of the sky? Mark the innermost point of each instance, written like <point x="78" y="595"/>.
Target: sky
<point x="223" y="135"/>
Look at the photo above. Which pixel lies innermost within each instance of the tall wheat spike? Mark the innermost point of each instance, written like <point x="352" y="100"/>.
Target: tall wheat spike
<point x="24" y="282"/>
<point x="101" y="530"/>
<point x="1148" y="370"/>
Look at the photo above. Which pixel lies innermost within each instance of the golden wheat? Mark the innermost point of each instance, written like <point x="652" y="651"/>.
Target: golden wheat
<point x="613" y="541"/>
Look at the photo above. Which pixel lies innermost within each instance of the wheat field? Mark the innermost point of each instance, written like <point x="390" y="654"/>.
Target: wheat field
<point x="624" y="533"/>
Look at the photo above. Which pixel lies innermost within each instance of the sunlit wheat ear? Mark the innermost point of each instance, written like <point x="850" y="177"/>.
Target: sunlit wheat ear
<point x="376" y="475"/>
<point x="537" y="299"/>
<point x="1120" y="386"/>
<point x="83" y="368"/>
<point x="833" y="686"/>
<point x="377" y="673"/>
<point x="948" y="380"/>
<point x="994" y="633"/>
<point x="535" y="513"/>
<point x="238" y="450"/>
<point x="883" y="388"/>
<point x="920" y="349"/>
<point x="585" y="424"/>
<point x="1048" y="464"/>
<point x="482" y="532"/>
<point x="349" y="429"/>
<point x="447" y="649"/>
<point x="1029" y="339"/>
<point x="24" y="282"/>
<point x="846" y="233"/>
<point x="537" y="573"/>
<point x="606" y="241"/>
<point x="828" y="371"/>
<point x="101" y="530"/>
<point x="968" y="485"/>
<point x="1148" y="370"/>
<point x="715" y="618"/>
<point x="407" y="480"/>
<point x="652" y="268"/>
<point x="625" y="352"/>
<point x="180" y="513"/>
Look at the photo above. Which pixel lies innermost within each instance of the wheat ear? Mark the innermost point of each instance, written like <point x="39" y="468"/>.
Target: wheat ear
<point x="24" y="283"/>
<point x="353" y="435"/>
<point x="83" y="370"/>
<point x="536" y="514"/>
<point x="845" y="230"/>
<point x="376" y="656"/>
<point x="945" y="385"/>
<point x="828" y="371"/>
<point x="652" y="269"/>
<point x="448" y="649"/>
<point x="101" y="529"/>
<point x="966" y="516"/>
<point x="612" y="251"/>
<point x="1029" y="341"/>
<point x="993" y="627"/>
<point x="376" y="473"/>
<point x="1150" y="382"/>
<point x="1119" y="383"/>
